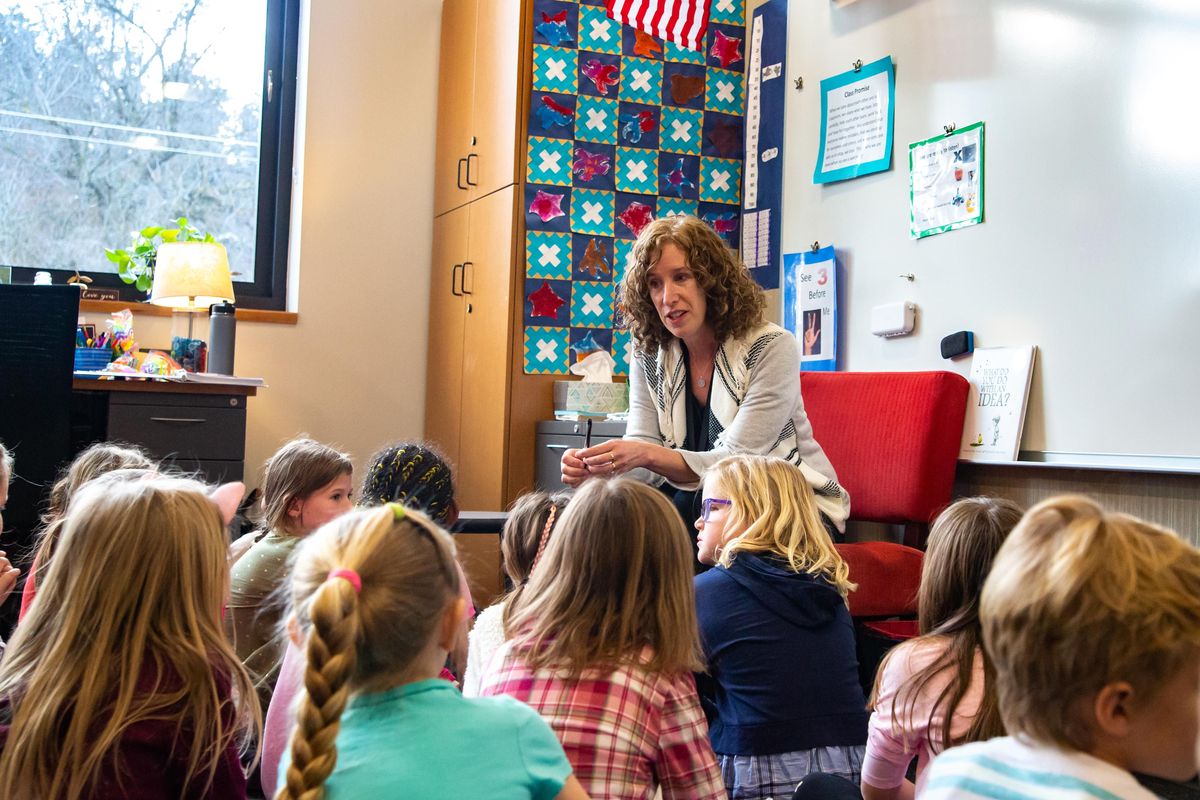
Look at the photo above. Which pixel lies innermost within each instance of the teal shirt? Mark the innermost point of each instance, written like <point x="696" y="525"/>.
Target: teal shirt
<point x="425" y="740"/>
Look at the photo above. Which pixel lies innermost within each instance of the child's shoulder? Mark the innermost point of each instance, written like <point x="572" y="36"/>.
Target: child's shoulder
<point x="499" y="712"/>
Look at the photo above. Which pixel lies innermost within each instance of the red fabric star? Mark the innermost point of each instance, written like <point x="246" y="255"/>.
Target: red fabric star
<point x="636" y="216"/>
<point x="725" y="48"/>
<point x="546" y="301"/>
<point x="547" y="206"/>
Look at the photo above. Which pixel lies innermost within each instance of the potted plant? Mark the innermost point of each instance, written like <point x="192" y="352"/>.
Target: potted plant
<point x="136" y="264"/>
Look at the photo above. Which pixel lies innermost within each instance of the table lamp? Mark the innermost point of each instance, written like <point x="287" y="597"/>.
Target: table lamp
<point x="190" y="277"/>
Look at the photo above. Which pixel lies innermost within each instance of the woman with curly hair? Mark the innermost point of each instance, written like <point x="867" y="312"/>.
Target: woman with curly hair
<point x="709" y="376"/>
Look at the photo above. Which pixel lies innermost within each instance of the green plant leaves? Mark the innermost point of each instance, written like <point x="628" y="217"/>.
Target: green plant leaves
<point x="136" y="265"/>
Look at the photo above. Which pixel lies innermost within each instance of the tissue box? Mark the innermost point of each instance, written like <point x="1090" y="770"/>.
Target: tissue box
<point x="591" y="398"/>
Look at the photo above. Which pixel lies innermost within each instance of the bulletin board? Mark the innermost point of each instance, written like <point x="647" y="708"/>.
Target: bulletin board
<point x="623" y="128"/>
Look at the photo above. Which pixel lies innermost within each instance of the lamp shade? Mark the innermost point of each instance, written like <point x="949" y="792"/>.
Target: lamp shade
<point x="191" y="275"/>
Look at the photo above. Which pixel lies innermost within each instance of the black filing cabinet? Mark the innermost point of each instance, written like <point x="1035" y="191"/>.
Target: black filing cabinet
<point x="556" y="436"/>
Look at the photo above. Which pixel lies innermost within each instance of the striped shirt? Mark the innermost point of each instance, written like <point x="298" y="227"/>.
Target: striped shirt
<point x="625" y="732"/>
<point x="1008" y="769"/>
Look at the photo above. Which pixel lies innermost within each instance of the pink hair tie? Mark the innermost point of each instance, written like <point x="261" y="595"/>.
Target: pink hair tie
<point x="348" y="575"/>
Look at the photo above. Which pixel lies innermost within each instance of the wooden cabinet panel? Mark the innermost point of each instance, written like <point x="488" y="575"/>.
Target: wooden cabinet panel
<point x="443" y="371"/>
<point x="456" y="88"/>
<point x="489" y="280"/>
<point x="497" y="78"/>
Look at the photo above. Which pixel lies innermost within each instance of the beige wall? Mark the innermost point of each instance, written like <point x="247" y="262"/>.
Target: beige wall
<point x="352" y="371"/>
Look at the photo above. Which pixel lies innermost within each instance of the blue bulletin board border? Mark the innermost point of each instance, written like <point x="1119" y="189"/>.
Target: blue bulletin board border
<point x="793" y="266"/>
<point x="853" y="76"/>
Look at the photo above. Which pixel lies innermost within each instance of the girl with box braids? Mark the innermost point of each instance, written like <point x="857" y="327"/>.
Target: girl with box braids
<point x="414" y="475"/>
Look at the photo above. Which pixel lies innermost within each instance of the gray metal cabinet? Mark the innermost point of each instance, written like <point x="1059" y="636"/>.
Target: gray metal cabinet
<point x="556" y="436"/>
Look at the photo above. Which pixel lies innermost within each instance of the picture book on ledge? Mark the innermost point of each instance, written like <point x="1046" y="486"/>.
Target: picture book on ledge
<point x="1000" y="378"/>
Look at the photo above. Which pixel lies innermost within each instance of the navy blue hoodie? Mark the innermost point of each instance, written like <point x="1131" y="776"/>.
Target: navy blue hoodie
<point x="783" y="674"/>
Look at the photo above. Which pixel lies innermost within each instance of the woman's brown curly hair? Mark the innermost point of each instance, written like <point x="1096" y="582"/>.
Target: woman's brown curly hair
<point x="735" y="302"/>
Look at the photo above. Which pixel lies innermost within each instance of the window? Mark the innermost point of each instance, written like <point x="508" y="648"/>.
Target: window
<point x="116" y="115"/>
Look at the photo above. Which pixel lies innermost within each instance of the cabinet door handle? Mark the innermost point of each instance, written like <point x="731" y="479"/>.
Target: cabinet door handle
<point x="458" y="178"/>
<point x="454" y="286"/>
<point x="469" y="181"/>
<point x="466" y="264"/>
<point x="180" y="420"/>
<point x="557" y="447"/>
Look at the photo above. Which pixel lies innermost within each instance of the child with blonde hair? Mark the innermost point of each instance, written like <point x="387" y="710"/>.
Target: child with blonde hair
<point x="782" y="686"/>
<point x="1092" y="619"/>
<point x="523" y="541"/>
<point x="375" y="597"/>
<point x="120" y="682"/>
<point x="97" y="460"/>
<point x="604" y="642"/>
<point x="305" y="485"/>
<point x="938" y="690"/>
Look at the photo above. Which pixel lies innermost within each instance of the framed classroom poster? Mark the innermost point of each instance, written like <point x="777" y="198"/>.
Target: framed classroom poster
<point x="810" y="308"/>
<point x="857" y="112"/>
<point x="945" y="181"/>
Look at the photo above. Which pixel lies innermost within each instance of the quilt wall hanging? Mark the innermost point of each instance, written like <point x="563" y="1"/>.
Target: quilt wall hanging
<point x="623" y="128"/>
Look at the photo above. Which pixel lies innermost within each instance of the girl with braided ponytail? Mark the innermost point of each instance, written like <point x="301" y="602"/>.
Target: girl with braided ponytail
<point x="375" y="604"/>
<point x="522" y="544"/>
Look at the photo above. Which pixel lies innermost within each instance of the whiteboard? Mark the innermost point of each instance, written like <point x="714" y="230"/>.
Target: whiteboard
<point x="1091" y="240"/>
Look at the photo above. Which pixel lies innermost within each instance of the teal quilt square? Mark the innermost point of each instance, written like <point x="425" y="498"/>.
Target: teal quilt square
<point x="682" y="55"/>
<point x="641" y="80"/>
<point x="637" y="170"/>
<point x="549" y="161"/>
<point x="592" y="211"/>
<point x="597" y="119"/>
<point x="597" y="32"/>
<point x="622" y="252"/>
<point x="681" y="130"/>
<point x="554" y="69"/>
<point x="721" y="180"/>
<point x="622" y="351"/>
<point x="729" y="12"/>
<point x="591" y="304"/>
<point x="725" y="91"/>
<point x="674" y="206"/>
<point x="548" y="255"/>
<point x="547" y="350"/>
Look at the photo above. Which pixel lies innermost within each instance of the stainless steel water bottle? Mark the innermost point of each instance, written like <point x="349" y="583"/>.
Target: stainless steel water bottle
<point x="222" y="333"/>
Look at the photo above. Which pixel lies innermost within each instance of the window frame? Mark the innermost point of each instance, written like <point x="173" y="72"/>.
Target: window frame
<point x="268" y="289"/>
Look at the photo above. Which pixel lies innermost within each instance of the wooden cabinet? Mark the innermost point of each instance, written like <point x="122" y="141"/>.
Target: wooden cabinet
<point x="443" y="380"/>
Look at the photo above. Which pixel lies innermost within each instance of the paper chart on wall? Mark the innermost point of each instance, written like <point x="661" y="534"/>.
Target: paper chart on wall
<point x="810" y="308"/>
<point x="857" y="114"/>
<point x="946" y="181"/>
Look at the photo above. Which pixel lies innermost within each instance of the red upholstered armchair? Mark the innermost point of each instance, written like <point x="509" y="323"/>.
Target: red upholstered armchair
<point x="893" y="438"/>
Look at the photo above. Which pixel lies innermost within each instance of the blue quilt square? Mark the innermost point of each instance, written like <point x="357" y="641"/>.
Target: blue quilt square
<point x="683" y="85"/>
<point x="622" y="252"/>
<point x="728" y="12"/>
<point x="679" y="176"/>
<point x="547" y="302"/>
<point x="633" y="212"/>
<point x="725" y="92"/>
<point x="554" y="69"/>
<point x="600" y="3"/>
<point x="591" y="304"/>
<point x="547" y="208"/>
<point x="554" y="23"/>
<point x="549" y="161"/>
<point x="641" y="80"/>
<point x="724" y="219"/>
<point x="639" y="44"/>
<point x="591" y="258"/>
<point x="639" y="125"/>
<point x="682" y="130"/>
<point x="596" y="119"/>
<point x="637" y="170"/>
<point x="599" y="75"/>
<point x="673" y="207"/>
<point x="592" y="212"/>
<point x="622" y="351"/>
<point x="721" y="180"/>
<point x="593" y="165"/>
<point x="679" y="54"/>
<point x="552" y="114"/>
<point x="546" y="350"/>
<point x="585" y="341"/>
<point x="724" y="136"/>
<point x="548" y="255"/>
<point x="726" y="47"/>
<point x="598" y="32"/>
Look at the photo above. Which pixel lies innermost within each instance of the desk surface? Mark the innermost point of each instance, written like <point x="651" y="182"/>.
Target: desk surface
<point x="160" y="387"/>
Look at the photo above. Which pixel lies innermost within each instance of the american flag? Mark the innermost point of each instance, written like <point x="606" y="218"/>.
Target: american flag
<point x="680" y="21"/>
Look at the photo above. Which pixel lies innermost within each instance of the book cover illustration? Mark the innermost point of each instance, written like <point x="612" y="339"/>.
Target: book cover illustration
<point x="1000" y="379"/>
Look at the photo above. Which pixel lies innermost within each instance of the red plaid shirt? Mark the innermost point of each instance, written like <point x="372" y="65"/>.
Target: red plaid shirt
<point x="625" y="732"/>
